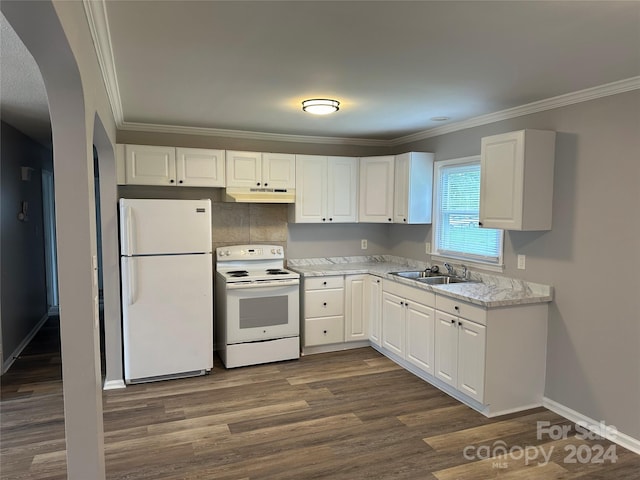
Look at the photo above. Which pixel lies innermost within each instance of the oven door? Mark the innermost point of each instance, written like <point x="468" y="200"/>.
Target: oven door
<point x="262" y="311"/>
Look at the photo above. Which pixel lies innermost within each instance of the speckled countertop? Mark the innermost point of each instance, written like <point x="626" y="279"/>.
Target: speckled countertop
<point x="486" y="290"/>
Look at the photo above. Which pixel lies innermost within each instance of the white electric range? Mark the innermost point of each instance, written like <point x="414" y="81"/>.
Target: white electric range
<point x="257" y="306"/>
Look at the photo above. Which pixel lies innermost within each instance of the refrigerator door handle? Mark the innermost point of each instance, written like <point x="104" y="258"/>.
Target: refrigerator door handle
<point x="131" y="283"/>
<point x="129" y="236"/>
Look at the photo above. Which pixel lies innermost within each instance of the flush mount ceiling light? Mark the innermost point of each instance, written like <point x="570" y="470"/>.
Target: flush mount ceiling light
<point x="320" y="106"/>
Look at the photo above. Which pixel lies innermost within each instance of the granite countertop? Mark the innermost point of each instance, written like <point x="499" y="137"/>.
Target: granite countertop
<point x="486" y="290"/>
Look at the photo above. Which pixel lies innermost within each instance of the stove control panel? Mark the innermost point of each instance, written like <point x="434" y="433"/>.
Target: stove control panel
<point x="250" y="252"/>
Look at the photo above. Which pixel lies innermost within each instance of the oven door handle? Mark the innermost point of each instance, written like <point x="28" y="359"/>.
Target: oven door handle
<point x="285" y="283"/>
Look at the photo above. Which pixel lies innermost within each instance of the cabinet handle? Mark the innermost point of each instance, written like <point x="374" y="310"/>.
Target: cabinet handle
<point x="171" y="181"/>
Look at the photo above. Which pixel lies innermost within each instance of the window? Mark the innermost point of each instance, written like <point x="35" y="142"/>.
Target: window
<point x="456" y="233"/>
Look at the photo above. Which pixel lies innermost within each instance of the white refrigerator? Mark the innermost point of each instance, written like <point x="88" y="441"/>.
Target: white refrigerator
<point x="167" y="288"/>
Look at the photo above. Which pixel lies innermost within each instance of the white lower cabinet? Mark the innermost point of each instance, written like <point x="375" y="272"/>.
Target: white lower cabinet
<point x="323" y="310"/>
<point x="355" y="302"/>
<point x="373" y="308"/>
<point x="408" y="324"/>
<point x="460" y="354"/>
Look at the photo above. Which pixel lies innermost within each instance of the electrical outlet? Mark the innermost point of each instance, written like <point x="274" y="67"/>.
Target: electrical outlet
<point x="363" y="244"/>
<point x="427" y="248"/>
<point x="521" y="262"/>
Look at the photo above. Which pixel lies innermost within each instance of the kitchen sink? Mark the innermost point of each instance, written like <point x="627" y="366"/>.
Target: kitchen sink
<point x="442" y="280"/>
<point x="430" y="278"/>
<point x="416" y="274"/>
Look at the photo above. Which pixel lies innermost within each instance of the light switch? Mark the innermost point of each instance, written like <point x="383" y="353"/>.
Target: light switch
<point x="427" y="248"/>
<point x="521" y="262"/>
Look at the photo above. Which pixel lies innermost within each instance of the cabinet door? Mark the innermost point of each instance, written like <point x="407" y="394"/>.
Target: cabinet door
<point x="446" y="349"/>
<point x="149" y="165"/>
<point x="420" y="336"/>
<point x="471" y="358"/>
<point x="311" y="189"/>
<point x="376" y="189"/>
<point x="244" y="169"/>
<point x="373" y="308"/>
<point x="401" y="189"/>
<point x="199" y="167"/>
<point x="501" y="180"/>
<point x="342" y="189"/>
<point x="393" y="323"/>
<point x="278" y="170"/>
<point x="355" y="320"/>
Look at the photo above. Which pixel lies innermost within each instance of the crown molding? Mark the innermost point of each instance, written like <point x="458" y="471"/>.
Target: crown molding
<point x="579" y="96"/>
<point x="247" y="135"/>
<point x="96" y="12"/>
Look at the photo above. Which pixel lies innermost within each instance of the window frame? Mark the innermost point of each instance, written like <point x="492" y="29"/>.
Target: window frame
<point x="437" y="253"/>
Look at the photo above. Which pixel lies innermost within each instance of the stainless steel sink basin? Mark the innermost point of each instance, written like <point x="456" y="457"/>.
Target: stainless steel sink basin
<point x="416" y="274"/>
<point x="442" y="280"/>
<point x="430" y="278"/>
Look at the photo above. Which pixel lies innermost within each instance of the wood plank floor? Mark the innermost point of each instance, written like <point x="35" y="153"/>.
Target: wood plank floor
<point x="347" y="415"/>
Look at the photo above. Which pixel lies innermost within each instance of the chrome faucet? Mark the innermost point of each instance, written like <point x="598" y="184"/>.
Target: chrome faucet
<point x="449" y="268"/>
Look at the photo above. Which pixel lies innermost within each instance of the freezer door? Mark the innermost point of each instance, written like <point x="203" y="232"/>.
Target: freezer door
<point x="167" y="315"/>
<point x="150" y="227"/>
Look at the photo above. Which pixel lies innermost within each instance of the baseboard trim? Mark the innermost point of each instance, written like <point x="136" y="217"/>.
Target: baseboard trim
<point x="6" y="365"/>
<point x="618" y="438"/>
<point x="113" y="384"/>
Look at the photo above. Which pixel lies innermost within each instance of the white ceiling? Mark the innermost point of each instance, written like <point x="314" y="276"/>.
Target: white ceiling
<point x="246" y="66"/>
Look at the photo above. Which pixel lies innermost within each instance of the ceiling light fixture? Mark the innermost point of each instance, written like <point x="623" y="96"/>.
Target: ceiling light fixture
<point x="320" y="106"/>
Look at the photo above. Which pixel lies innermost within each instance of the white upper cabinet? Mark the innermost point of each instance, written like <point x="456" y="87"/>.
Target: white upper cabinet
<point x="154" y="165"/>
<point x="413" y="188"/>
<point x="150" y="165"/>
<point x="326" y="190"/>
<point x="516" y="180"/>
<point x="376" y="189"/>
<point x="199" y="167"/>
<point x="260" y="170"/>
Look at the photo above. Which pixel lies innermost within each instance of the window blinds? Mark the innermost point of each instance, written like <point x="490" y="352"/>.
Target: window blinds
<point x="457" y="230"/>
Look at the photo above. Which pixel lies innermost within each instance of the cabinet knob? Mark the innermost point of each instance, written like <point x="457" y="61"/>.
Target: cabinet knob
<point x="330" y="219"/>
<point x="324" y="331"/>
<point x="389" y="219"/>
<point x="453" y="322"/>
<point x="378" y="281"/>
<point x="180" y="181"/>
<point x="266" y="184"/>
<point x="404" y="219"/>
<point x="258" y="184"/>
<point x="459" y="324"/>
<point x="324" y="219"/>
<point x="401" y="303"/>
<point x="171" y="181"/>
<point x="324" y="283"/>
<point x="324" y="304"/>
<point x="479" y="224"/>
<point x="406" y="304"/>
<point x="456" y="308"/>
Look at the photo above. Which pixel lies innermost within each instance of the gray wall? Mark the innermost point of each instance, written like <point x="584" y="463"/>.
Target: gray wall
<point x="591" y="255"/>
<point x="24" y="294"/>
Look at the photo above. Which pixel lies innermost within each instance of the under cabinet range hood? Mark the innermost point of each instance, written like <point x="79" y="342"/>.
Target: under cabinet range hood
<point x="259" y="195"/>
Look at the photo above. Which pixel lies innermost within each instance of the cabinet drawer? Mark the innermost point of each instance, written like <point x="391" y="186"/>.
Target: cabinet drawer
<point x="320" y="283"/>
<point x="410" y="293"/>
<point x="461" y="309"/>
<point x="323" y="303"/>
<point x="322" y="331"/>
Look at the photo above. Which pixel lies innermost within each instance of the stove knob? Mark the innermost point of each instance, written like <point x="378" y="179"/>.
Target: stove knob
<point x="279" y="251"/>
<point x="273" y="251"/>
